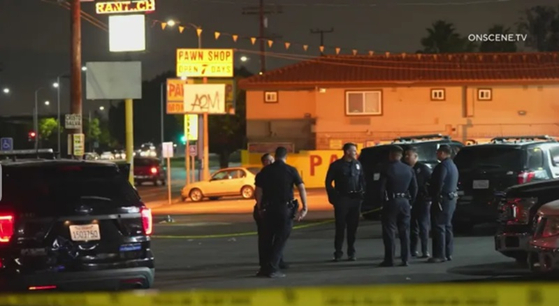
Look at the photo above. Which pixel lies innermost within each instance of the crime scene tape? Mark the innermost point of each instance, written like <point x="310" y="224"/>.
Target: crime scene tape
<point x="536" y="294"/>
<point x="253" y="233"/>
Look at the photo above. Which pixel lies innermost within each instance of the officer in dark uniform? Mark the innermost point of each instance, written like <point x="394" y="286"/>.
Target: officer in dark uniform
<point x="277" y="205"/>
<point x="420" y="213"/>
<point x="442" y="189"/>
<point x="399" y="187"/>
<point x="346" y="196"/>
<point x="266" y="160"/>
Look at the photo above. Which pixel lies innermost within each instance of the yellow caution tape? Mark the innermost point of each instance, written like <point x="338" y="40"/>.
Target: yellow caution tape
<point x="314" y="224"/>
<point x="416" y="295"/>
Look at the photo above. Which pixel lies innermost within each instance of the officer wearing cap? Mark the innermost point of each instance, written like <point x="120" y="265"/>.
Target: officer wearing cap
<point x="346" y="195"/>
<point x="442" y="189"/>
<point x="263" y="248"/>
<point x="420" y="213"/>
<point x="399" y="188"/>
<point x="277" y="205"/>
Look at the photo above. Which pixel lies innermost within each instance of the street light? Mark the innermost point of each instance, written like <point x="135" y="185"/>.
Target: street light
<point x="244" y="58"/>
<point x="84" y="68"/>
<point x="47" y="103"/>
<point x="55" y="85"/>
<point x="171" y="23"/>
<point x="101" y="108"/>
<point x="6" y="90"/>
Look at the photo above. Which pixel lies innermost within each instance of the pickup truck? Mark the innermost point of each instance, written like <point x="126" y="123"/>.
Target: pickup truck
<point x="518" y="208"/>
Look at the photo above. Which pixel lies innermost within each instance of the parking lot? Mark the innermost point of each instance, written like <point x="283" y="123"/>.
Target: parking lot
<point x="188" y="257"/>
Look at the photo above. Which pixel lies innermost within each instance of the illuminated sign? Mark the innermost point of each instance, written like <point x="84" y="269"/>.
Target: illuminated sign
<point x="175" y="94"/>
<point x="205" y="63"/>
<point x="118" y="7"/>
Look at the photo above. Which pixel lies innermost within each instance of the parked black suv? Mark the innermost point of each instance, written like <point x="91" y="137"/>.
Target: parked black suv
<point x="372" y="157"/>
<point x="72" y="225"/>
<point x="489" y="169"/>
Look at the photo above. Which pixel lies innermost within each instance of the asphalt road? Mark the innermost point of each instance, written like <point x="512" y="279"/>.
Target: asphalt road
<point x="187" y="259"/>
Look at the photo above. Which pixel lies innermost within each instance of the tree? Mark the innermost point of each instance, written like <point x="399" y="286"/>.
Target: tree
<point x="541" y="23"/>
<point x="47" y="127"/>
<point x="498" y="46"/>
<point x="92" y="129"/>
<point x="442" y="38"/>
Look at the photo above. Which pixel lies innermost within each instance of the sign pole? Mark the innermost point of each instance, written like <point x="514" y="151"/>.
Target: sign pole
<point x="187" y="148"/>
<point x="129" y="118"/>
<point x="76" y="65"/>
<point x="169" y="179"/>
<point x="206" y="157"/>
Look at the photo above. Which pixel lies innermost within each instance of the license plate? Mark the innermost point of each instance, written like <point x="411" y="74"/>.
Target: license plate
<point x="481" y="184"/>
<point x="88" y="232"/>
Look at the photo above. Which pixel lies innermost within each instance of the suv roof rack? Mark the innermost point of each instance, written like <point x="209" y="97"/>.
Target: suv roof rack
<point x="415" y="138"/>
<point x="28" y="154"/>
<point x="520" y="139"/>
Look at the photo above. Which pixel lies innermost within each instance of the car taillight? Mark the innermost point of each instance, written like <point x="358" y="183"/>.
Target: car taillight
<point x="153" y="170"/>
<point x="519" y="210"/>
<point x="6" y="227"/>
<point x="147" y="220"/>
<point x="525" y="177"/>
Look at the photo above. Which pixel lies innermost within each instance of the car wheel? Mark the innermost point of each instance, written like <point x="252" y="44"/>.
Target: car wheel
<point x="196" y="195"/>
<point x="247" y="192"/>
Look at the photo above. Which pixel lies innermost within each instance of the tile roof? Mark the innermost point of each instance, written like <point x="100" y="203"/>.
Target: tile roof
<point x="340" y="70"/>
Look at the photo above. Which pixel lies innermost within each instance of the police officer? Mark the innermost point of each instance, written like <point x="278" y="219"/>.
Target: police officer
<point x="276" y="204"/>
<point x="346" y="196"/>
<point x="420" y="214"/>
<point x="266" y="160"/>
<point x="399" y="187"/>
<point x="442" y="189"/>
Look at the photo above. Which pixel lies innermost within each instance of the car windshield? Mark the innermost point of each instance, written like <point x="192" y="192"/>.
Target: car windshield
<point x="254" y="170"/>
<point x="489" y="157"/>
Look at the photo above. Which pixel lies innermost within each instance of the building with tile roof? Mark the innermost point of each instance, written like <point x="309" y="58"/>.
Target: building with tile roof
<point x="322" y="102"/>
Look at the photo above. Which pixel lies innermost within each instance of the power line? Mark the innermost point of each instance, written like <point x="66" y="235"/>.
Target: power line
<point x="262" y="11"/>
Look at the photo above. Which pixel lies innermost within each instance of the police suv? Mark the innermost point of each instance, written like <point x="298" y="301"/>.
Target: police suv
<point x="71" y="225"/>
<point x="373" y="157"/>
<point x="486" y="171"/>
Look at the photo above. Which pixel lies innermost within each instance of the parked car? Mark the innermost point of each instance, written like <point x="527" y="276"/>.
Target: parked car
<point x="517" y="219"/>
<point x="372" y="157"/>
<point x="488" y="169"/>
<point x="72" y="225"/>
<point x="236" y="181"/>
<point x="149" y="169"/>
<point x="544" y="244"/>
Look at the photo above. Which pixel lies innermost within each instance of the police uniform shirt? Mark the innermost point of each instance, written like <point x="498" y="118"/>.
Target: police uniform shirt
<point x="422" y="175"/>
<point x="277" y="181"/>
<point x="444" y="179"/>
<point x="346" y="175"/>
<point x="398" y="178"/>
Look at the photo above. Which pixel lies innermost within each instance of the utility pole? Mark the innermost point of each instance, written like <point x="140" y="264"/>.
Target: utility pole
<point x="322" y="32"/>
<point x="262" y="11"/>
<point x="76" y="71"/>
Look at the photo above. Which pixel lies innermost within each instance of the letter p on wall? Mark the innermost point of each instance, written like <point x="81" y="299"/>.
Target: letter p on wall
<point x="315" y="161"/>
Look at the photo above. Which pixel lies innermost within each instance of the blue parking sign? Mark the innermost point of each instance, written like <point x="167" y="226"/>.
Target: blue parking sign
<point x="6" y="144"/>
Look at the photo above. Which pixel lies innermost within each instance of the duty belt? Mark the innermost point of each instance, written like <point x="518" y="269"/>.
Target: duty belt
<point x="450" y="195"/>
<point x="400" y="195"/>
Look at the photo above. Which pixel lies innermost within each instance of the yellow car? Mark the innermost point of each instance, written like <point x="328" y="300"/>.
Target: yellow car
<point x="237" y="181"/>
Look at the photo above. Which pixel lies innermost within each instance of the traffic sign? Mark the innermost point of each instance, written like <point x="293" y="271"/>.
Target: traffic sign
<point x="193" y="150"/>
<point x="7" y="144"/>
<point x="167" y="150"/>
<point x="205" y="63"/>
<point x="73" y="121"/>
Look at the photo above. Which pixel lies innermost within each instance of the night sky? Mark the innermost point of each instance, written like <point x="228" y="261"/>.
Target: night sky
<point x="35" y="35"/>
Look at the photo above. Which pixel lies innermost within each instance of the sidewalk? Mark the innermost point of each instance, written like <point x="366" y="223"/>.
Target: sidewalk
<point x="178" y="207"/>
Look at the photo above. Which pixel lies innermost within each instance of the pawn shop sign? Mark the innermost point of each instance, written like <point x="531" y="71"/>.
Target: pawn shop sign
<point x="200" y="63"/>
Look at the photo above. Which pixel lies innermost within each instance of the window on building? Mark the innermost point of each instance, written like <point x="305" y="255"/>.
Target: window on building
<point x="484" y="94"/>
<point x="363" y="103"/>
<point x="271" y="97"/>
<point x="437" y="95"/>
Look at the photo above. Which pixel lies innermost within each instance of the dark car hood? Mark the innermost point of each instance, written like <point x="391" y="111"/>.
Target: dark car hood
<point x="534" y="186"/>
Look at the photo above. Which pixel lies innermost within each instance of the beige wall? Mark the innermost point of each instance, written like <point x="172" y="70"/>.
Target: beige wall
<point x="409" y="110"/>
